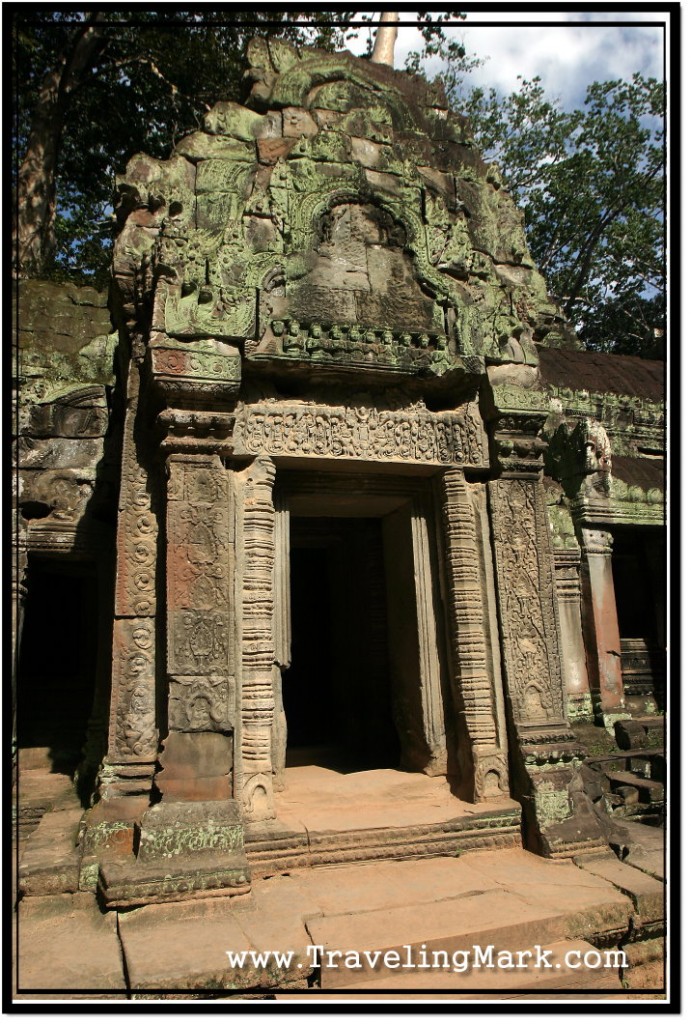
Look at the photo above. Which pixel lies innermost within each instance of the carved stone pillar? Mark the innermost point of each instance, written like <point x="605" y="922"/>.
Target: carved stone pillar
<point x="559" y="818"/>
<point x="567" y="564"/>
<point x="601" y="625"/>
<point x="481" y="758"/>
<point x="258" y="654"/>
<point x="133" y="734"/>
<point x="197" y="756"/>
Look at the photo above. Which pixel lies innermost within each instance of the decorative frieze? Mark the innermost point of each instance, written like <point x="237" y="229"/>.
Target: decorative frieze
<point x="412" y="435"/>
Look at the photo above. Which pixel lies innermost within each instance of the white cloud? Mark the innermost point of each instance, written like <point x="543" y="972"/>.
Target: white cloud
<point x="567" y="54"/>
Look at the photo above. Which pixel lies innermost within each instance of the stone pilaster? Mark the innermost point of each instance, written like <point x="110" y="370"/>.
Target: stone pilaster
<point x="258" y="653"/>
<point x="567" y="564"/>
<point x="133" y="731"/>
<point x="601" y="625"/>
<point x="199" y="620"/>
<point x="481" y="758"/>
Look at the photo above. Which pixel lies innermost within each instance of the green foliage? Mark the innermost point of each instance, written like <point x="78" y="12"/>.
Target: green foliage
<point x="592" y="185"/>
<point x="150" y="84"/>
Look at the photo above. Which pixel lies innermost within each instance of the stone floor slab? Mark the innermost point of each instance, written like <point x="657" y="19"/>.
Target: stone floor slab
<point x="184" y="947"/>
<point x="66" y="943"/>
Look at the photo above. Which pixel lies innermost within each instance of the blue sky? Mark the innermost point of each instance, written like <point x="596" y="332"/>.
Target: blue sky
<point x="567" y="54"/>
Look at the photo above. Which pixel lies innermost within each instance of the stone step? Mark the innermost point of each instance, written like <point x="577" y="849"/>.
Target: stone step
<point x="507" y="906"/>
<point x="556" y="966"/>
<point x="49" y="861"/>
<point x="483" y="831"/>
<point x="649" y="790"/>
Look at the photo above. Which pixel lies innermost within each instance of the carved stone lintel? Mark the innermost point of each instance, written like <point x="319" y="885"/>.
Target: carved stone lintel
<point x="413" y="435"/>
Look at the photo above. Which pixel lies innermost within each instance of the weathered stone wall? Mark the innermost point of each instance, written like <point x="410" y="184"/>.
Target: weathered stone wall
<point x="65" y="371"/>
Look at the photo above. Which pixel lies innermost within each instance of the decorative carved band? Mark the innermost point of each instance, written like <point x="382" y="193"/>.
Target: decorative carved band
<point x="473" y="691"/>
<point x="527" y="603"/>
<point x="405" y="435"/>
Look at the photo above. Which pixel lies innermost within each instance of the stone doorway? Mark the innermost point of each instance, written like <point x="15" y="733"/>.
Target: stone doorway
<point x="364" y="685"/>
<point x="57" y="660"/>
<point x="337" y="692"/>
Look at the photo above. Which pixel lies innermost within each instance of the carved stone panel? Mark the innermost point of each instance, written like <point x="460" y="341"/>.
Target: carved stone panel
<point x="413" y="435"/>
<point x="133" y="721"/>
<point x="199" y="567"/>
<point x="526" y="601"/>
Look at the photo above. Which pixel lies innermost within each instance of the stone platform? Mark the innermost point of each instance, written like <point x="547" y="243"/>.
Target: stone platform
<point x="326" y="816"/>
<point x="509" y="899"/>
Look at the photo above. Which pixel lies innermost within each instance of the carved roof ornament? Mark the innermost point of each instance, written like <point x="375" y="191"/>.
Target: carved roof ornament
<point x="340" y="225"/>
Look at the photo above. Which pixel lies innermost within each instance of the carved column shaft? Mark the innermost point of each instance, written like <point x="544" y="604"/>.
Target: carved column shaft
<point x="478" y="740"/>
<point x="133" y="735"/>
<point x="601" y="624"/>
<point x="258" y="655"/>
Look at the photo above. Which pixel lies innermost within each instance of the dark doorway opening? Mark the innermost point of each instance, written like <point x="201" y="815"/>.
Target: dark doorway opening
<point x="57" y="660"/>
<point x="337" y="690"/>
<point x="638" y="570"/>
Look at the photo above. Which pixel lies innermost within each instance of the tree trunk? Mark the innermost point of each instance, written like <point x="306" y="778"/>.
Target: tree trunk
<point x="34" y="229"/>
<point x="385" y="39"/>
<point x="33" y="235"/>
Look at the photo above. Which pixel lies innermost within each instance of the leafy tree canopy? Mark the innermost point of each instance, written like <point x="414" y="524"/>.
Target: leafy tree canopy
<point x="592" y="185"/>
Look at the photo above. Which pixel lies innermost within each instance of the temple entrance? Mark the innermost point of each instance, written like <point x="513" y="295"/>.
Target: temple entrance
<point x="364" y="684"/>
<point x="337" y="693"/>
<point x="57" y="663"/>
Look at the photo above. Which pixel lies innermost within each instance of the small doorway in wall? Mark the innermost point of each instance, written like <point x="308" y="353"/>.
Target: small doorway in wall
<point x="337" y="692"/>
<point x="57" y="663"/>
<point x="639" y="570"/>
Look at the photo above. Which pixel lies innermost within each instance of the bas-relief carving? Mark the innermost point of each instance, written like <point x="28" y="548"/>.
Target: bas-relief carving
<point x="200" y="704"/>
<point x="411" y="435"/>
<point x="526" y="598"/>
<point x="133" y="723"/>
<point x="199" y="585"/>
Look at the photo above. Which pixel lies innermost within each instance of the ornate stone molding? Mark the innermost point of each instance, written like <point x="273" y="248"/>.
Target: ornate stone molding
<point x="258" y="654"/>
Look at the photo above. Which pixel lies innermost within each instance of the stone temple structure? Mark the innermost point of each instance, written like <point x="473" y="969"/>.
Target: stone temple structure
<point x="327" y="472"/>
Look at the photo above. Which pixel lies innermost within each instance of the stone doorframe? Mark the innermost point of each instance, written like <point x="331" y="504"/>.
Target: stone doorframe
<point x="443" y="515"/>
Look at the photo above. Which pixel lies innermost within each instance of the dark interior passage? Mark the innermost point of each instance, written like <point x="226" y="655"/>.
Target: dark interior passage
<point x="57" y="659"/>
<point x="337" y="691"/>
<point x="639" y="574"/>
